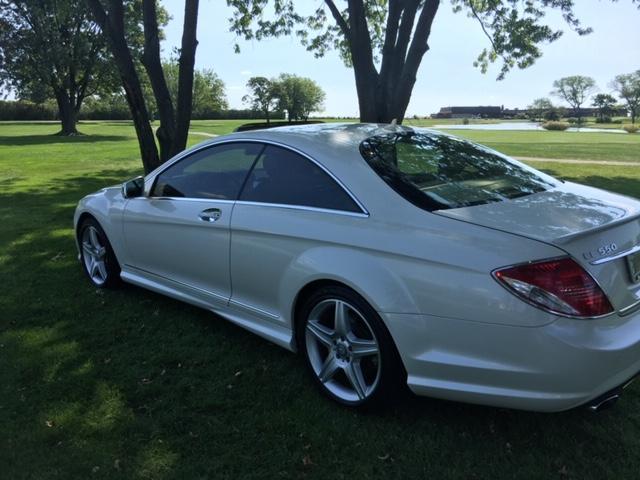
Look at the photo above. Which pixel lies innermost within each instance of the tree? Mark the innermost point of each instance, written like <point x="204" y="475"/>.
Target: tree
<point x="627" y="86"/>
<point x="299" y="96"/>
<point x="385" y="40"/>
<point x="574" y="90"/>
<point x="605" y="104"/>
<point x="208" y="89"/>
<point x="53" y="49"/>
<point x="539" y="108"/>
<point x="262" y="96"/>
<point x="174" y="119"/>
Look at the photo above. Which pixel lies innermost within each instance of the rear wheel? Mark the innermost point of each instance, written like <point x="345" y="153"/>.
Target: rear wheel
<point x="98" y="260"/>
<point x="348" y="349"/>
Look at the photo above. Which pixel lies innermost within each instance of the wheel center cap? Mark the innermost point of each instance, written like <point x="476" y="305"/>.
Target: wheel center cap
<point x="341" y="350"/>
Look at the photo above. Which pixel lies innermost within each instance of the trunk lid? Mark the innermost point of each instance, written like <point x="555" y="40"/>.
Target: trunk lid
<point x="599" y="229"/>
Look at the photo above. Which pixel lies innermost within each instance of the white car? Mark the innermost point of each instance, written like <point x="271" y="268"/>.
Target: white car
<point x="389" y="255"/>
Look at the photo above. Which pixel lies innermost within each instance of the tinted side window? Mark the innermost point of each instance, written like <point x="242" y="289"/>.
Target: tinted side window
<point x="282" y="176"/>
<point x="217" y="172"/>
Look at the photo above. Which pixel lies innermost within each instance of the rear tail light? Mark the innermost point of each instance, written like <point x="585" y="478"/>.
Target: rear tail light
<point x="560" y="286"/>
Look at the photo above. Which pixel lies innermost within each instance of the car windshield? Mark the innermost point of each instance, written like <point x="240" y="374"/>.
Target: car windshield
<point x="437" y="171"/>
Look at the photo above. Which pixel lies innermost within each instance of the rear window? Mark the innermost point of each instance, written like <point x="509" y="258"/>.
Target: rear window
<point x="436" y="171"/>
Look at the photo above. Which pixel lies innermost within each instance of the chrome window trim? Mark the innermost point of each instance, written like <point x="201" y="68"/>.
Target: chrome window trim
<point x="190" y="199"/>
<point x="303" y="208"/>
<point x="611" y="258"/>
<point x="181" y="156"/>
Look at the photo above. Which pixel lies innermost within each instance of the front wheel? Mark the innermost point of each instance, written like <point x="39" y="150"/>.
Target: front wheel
<point x="348" y="348"/>
<point x="98" y="260"/>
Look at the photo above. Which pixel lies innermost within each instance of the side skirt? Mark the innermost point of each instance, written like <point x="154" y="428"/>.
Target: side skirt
<point x="275" y="333"/>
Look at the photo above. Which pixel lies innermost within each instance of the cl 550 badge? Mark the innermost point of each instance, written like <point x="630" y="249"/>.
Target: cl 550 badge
<point x="603" y="251"/>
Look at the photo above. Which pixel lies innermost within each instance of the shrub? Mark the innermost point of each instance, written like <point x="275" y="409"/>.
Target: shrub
<point x="631" y="128"/>
<point x="604" y="120"/>
<point x="573" y="120"/>
<point x="23" y="110"/>
<point x="552" y="115"/>
<point x="465" y="121"/>
<point x="558" y="126"/>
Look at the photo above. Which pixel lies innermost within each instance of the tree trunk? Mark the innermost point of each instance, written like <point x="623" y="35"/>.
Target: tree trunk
<point x="384" y="97"/>
<point x="153" y="66"/>
<point x="184" y="102"/>
<point x="68" y="115"/>
<point x="112" y="25"/>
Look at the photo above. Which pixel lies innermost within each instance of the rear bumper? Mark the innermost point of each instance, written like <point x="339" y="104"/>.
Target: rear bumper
<point x="555" y="367"/>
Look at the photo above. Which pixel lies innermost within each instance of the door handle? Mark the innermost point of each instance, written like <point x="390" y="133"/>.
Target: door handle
<point x="210" y="215"/>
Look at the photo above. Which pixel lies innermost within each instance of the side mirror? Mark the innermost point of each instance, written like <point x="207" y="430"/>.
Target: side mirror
<point x="133" y="188"/>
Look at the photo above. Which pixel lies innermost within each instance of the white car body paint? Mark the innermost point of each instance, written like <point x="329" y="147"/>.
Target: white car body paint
<point x="461" y="335"/>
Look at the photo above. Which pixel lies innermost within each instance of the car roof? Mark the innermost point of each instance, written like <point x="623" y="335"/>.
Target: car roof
<point x="322" y="140"/>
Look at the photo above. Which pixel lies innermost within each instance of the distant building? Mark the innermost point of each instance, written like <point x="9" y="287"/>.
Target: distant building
<point x="470" y="112"/>
<point x="501" y="112"/>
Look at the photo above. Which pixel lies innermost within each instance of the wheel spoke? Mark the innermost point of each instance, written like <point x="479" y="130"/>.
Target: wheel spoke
<point x="342" y="325"/>
<point x="93" y="235"/>
<point x="329" y="368"/>
<point x="321" y="333"/>
<point x="363" y="348"/>
<point x="102" y="269"/>
<point x="355" y="377"/>
<point x="93" y="268"/>
<point x="88" y="250"/>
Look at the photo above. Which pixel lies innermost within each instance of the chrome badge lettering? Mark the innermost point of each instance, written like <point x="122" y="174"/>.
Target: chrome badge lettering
<point x="602" y="251"/>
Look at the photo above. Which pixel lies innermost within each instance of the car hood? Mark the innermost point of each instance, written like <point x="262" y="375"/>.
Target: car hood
<point x="597" y="228"/>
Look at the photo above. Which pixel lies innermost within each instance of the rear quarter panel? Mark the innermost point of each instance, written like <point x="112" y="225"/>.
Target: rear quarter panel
<point x="417" y="263"/>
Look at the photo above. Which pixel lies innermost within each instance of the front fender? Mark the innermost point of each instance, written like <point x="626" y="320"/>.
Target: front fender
<point x="107" y="207"/>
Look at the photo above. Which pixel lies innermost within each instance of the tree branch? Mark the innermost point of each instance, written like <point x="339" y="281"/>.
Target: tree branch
<point x="390" y="37"/>
<point x="338" y="18"/>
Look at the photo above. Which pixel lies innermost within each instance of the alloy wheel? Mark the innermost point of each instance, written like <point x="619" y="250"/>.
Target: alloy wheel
<point x="94" y="254"/>
<point x="343" y="350"/>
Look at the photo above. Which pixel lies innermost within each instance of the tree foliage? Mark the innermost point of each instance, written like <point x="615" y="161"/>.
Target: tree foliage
<point x="627" y="86"/>
<point x="575" y="90"/>
<point x="605" y="104"/>
<point x="385" y="40"/>
<point x="299" y="96"/>
<point x="540" y="107"/>
<point x="208" y="88"/>
<point x="261" y="96"/>
<point x="53" y="49"/>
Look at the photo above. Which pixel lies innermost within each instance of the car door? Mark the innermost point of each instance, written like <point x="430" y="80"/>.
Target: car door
<point x="288" y="205"/>
<point x="179" y="233"/>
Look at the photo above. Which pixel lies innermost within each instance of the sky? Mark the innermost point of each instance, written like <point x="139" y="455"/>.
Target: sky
<point x="446" y="77"/>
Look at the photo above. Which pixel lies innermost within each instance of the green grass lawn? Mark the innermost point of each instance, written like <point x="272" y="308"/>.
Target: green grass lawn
<point x="575" y="145"/>
<point x="130" y="384"/>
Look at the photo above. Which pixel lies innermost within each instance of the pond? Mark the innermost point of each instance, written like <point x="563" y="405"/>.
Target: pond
<point x="520" y="126"/>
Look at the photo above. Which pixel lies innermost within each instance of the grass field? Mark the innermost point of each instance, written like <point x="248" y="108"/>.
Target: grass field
<point x="130" y="384"/>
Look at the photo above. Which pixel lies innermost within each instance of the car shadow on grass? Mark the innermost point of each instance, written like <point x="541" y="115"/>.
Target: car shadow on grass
<point x="22" y="140"/>
<point x="127" y="382"/>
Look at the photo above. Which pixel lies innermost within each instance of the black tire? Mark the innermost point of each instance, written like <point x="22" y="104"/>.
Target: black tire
<point x="390" y="383"/>
<point x="109" y="276"/>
